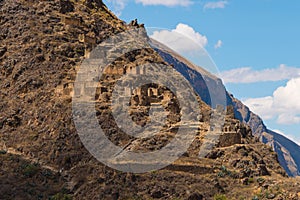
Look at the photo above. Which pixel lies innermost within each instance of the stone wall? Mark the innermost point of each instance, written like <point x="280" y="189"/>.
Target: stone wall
<point x="229" y="138"/>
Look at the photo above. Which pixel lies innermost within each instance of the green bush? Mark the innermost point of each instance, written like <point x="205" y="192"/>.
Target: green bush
<point x="30" y="170"/>
<point x="261" y="180"/>
<point x="224" y="172"/>
<point x="61" y="196"/>
<point x="220" y="197"/>
<point x="255" y="198"/>
<point x="250" y="180"/>
<point x="3" y="152"/>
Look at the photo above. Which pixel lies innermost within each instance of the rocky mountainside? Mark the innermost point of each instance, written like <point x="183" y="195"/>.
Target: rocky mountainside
<point x="287" y="150"/>
<point x="43" y="45"/>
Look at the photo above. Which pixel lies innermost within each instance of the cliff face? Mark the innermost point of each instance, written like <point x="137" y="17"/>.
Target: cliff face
<point x="43" y="45"/>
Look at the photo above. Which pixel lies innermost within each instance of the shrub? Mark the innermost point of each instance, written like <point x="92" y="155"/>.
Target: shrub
<point x="3" y="152"/>
<point x="255" y="198"/>
<point x="30" y="170"/>
<point x="261" y="180"/>
<point x="61" y="196"/>
<point x="224" y="172"/>
<point x="250" y="180"/>
<point x="220" y="197"/>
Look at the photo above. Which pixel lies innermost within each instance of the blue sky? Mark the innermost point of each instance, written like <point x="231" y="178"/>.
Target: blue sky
<point x="254" y="43"/>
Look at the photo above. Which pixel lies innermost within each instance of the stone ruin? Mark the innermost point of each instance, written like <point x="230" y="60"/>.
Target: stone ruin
<point x="229" y="137"/>
<point x="88" y="39"/>
<point x="228" y="133"/>
<point x="144" y="96"/>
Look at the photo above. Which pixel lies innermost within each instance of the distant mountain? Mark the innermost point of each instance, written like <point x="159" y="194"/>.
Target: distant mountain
<point x="288" y="151"/>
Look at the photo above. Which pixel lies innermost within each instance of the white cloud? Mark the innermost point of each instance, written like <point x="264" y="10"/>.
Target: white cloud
<point x="248" y="75"/>
<point x="182" y="39"/>
<point x="284" y="105"/>
<point x="165" y="2"/>
<point x="117" y="6"/>
<point x="287" y="101"/>
<point x="261" y="106"/>
<point x="214" y="5"/>
<point x="218" y="44"/>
